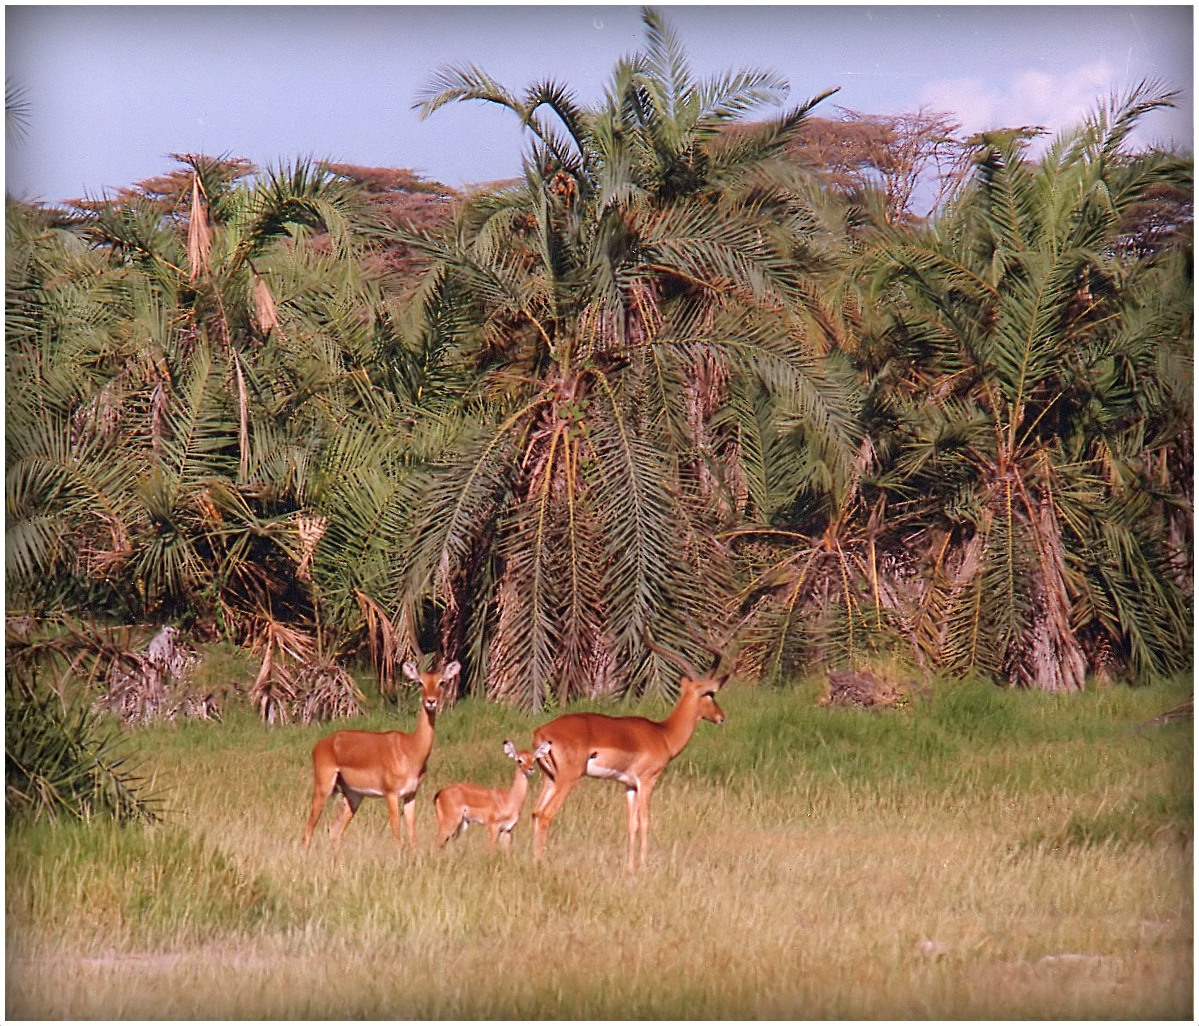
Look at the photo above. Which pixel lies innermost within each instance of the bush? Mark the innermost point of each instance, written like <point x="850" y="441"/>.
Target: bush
<point x="60" y="761"/>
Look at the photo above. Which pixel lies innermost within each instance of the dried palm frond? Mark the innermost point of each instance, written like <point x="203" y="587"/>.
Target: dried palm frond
<point x="199" y="237"/>
<point x="311" y="530"/>
<point x="243" y="420"/>
<point x="381" y="640"/>
<point x="266" y="316"/>
<point x="326" y="691"/>
<point x="135" y="691"/>
<point x="273" y="693"/>
<point x="296" y="680"/>
<point x="156" y="684"/>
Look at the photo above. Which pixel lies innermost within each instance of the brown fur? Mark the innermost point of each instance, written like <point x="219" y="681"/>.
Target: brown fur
<point x="459" y="805"/>
<point x="629" y="749"/>
<point x="368" y="764"/>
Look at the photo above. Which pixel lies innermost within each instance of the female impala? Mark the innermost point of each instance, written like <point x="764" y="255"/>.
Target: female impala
<point x="459" y="805"/>
<point x="366" y="764"/>
<point x="629" y="749"/>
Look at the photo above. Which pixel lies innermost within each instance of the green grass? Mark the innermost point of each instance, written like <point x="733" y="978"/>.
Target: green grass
<point x="977" y="854"/>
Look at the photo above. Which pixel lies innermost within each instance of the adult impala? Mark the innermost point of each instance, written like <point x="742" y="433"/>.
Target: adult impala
<point x="498" y="810"/>
<point x="368" y="764"/>
<point x="630" y="749"/>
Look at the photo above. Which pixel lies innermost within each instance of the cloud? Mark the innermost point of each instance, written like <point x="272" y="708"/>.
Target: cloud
<point x="1054" y="101"/>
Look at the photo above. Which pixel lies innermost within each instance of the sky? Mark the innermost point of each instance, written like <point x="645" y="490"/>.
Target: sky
<point x="111" y="91"/>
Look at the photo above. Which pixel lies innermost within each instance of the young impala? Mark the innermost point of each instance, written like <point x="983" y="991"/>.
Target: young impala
<point x="459" y="805"/>
<point x="366" y="764"/>
<point x="628" y="749"/>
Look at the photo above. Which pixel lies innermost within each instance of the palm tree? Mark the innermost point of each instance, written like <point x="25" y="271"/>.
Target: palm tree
<point x="604" y="306"/>
<point x="179" y="358"/>
<point x="1031" y="401"/>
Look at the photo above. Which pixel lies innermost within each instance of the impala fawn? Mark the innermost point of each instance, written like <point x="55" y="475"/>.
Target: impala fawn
<point x="459" y="805"/>
<point x="368" y="764"/>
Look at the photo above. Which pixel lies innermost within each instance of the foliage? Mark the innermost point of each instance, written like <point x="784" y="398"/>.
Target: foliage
<point x="1057" y="390"/>
<point x="606" y="306"/>
<point x="692" y="374"/>
<point x="1029" y="402"/>
<point x="62" y="761"/>
<point x="182" y="360"/>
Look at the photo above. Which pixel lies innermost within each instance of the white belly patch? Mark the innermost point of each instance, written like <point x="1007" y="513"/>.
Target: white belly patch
<point x="595" y="769"/>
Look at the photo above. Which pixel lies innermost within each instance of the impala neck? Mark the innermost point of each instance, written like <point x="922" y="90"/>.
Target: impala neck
<point x="680" y="724"/>
<point x="520" y="788"/>
<point x="423" y="735"/>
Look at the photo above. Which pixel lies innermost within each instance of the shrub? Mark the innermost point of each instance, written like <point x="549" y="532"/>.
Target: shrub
<point x="60" y="761"/>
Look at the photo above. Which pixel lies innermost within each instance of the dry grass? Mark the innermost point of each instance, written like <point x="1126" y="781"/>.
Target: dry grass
<point x="805" y="863"/>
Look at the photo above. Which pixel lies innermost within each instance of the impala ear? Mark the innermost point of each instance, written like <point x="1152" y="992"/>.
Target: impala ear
<point x="541" y="749"/>
<point x="721" y="681"/>
<point x="451" y="670"/>
<point x="510" y="749"/>
<point x="411" y="671"/>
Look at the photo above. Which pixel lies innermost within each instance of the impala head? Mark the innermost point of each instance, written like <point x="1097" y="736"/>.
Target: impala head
<point x="705" y="691"/>
<point x="702" y="685"/>
<point x="432" y="683"/>
<point x="527" y="761"/>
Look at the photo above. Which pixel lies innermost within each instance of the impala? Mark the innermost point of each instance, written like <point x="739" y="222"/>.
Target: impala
<point x="368" y="764"/>
<point x="459" y="805"/>
<point x="630" y="749"/>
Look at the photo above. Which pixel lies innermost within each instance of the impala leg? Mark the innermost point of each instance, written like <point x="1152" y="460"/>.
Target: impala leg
<point x="393" y="817"/>
<point x="506" y="842"/>
<point x="338" y="827"/>
<point x="547" y="787"/>
<point x="446" y="826"/>
<point x="631" y="800"/>
<point x="410" y="819"/>
<point x="449" y="832"/>
<point x="647" y="790"/>
<point x="322" y="787"/>
<point x="553" y="794"/>
<point x="492" y="833"/>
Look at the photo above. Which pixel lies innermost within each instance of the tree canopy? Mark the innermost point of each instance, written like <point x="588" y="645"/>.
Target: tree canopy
<point x="697" y="376"/>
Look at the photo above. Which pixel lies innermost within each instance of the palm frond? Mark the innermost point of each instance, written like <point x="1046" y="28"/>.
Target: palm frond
<point x="461" y="84"/>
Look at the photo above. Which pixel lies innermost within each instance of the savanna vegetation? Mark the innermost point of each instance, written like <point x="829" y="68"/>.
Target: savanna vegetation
<point x="980" y="853"/>
<point x="831" y="391"/>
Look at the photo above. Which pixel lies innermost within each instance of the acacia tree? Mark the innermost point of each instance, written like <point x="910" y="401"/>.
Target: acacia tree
<point x="1036" y="394"/>
<point x="888" y="154"/>
<point x="603" y="305"/>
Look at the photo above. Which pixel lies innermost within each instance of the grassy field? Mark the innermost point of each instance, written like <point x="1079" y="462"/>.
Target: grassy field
<point x="980" y="854"/>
